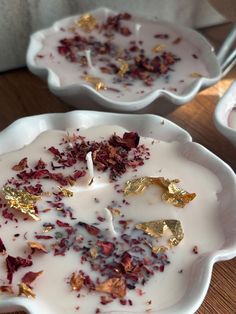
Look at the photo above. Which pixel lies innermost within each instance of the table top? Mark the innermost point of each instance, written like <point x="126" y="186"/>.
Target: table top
<point x="23" y="94"/>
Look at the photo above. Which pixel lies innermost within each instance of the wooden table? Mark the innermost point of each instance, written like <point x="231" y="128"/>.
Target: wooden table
<point x="23" y="94"/>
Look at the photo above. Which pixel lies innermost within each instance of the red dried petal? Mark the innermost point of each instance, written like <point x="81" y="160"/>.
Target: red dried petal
<point x="14" y="263"/>
<point x="2" y="247"/>
<point x="40" y="165"/>
<point x="43" y="237"/>
<point x="7" y="215"/>
<point x="107" y="248"/>
<point x="63" y="50"/>
<point x="126" y="261"/>
<point x="54" y="151"/>
<point x="29" y="277"/>
<point x="91" y="229"/>
<point x="6" y="289"/>
<point x="21" y="165"/>
<point x="40" y="174"/>
<point x="58" y="177"/>
<point x="78" y="174"/>
<point x="35" y="190"/>
<point x="125" y="31"/>
<point x="63" y="224"/>
<point x="129" y="140"/>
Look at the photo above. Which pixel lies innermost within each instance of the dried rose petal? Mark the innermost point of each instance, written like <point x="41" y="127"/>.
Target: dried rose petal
<point x="40" y="164"/>
<point x="63" y="224"/>
<point x="195" y="249"/>
<point x="126" y="261"/>
<point x="2" y="248"/>
<point x="77" y="281"/>
<point x="129" y="140"/>
<point x="29" y="277"/>
<point x="114" y="286"/>
<point x="107" y="248"/>
<point x="104" y="299"/>
<point x="14" y="263"/>
<point x="21" y="165"/>
<point x="91" y="229"/>
<point x="43" y="237"/>
<point x="6" y="289"/>
<point x="37" y="246"/>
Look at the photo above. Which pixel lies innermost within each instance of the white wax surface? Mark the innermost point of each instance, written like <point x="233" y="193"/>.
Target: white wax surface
<point x="200" y="221"/>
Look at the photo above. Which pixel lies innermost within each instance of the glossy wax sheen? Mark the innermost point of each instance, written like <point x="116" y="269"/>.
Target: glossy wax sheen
<point x="200" y="221"/>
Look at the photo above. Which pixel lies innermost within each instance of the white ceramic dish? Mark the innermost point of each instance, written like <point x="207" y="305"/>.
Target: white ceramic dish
<point x="132" y="99"/>
<point x="29" y="128"/>
<point x="221" y="115"/>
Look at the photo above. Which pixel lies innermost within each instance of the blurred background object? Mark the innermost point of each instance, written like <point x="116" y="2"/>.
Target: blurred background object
<point x="226" y="8"/>
<point x="19" y="18"/>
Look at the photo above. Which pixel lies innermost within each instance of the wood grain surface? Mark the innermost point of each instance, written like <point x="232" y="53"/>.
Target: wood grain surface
<point x="22" y="94"/>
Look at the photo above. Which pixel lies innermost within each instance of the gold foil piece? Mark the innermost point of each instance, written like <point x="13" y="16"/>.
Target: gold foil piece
<point x="47" y="229"/>
<point x="124" y="67"/>
<point x="93" y="252"/>
<point x="22" y="200"/>
<point x="159" y="249"/>
<point x="95" y="81"/>
<point x="114" y="286"/>
<point x="173" y="194"/>
<point x="76" y="281"/>
<point x="115" y="212"/>
<point x="195" y="75"/>
<point x="25" y="290"/>
<point x="66" y="192"/>
<point x="37" y="246"/>
<point x="137" y="186"/>
<point x="158" y="48"/>
<point x="157" y="228"/>
<point x="177" y="196"/>
<point x="87" y="23"/>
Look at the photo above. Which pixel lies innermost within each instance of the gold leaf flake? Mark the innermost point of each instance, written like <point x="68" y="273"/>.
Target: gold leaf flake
<point x="177" y="196"/>
<point x="159" y="249"/>
<point x="21" y="200"/>
<point x="76" y="281"/>
<point x="115" y="211"/>
<point x="47" y="229"/>
<point x="93" y="252"/>
<point x="25" y="290"/>
<point x="137" y="186"/>
<point x="37" y="246"/>
<point x="195" y="75"/>
<point x="124" y="67"/>
<point x="158" y="48"/>
<point x="114" y="286"/>
<point x="157" y="229"/>
<point x="173" y="194"/>
<point x="66" y="192"/>
<point x="87" y="22"/>
<point x="95" y="81"/>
